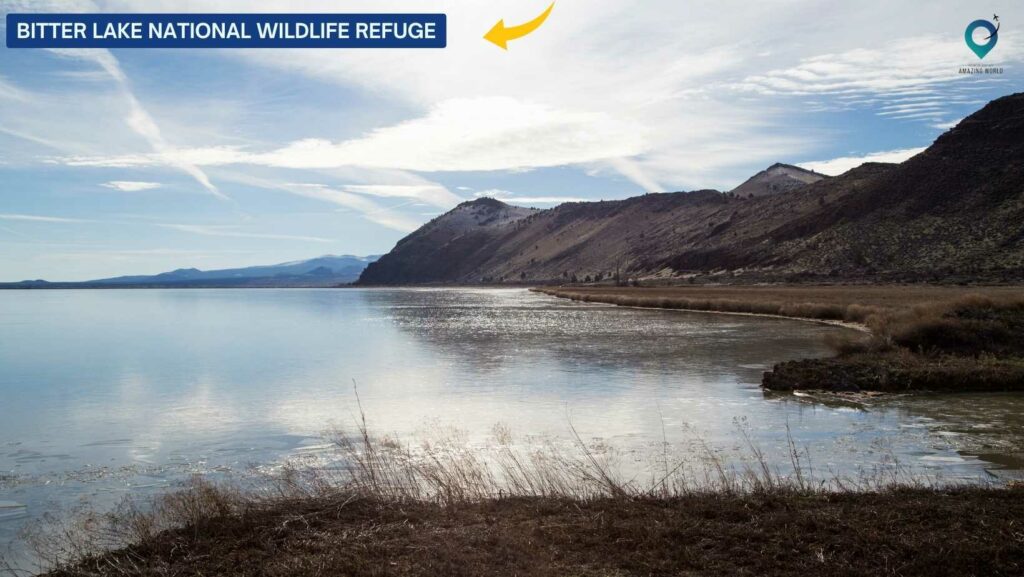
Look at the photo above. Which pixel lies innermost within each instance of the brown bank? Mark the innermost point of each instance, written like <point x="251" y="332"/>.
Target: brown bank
<point x="901" y="532"/>
<point x="919" y="338"/>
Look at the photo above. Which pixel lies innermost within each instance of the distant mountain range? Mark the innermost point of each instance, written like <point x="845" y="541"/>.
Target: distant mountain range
<point x="324" y="271"/>
<point x="953" y="212"/>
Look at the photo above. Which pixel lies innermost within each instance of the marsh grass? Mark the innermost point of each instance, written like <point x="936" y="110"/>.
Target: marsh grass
<point x="446" y="472"/>
<point x="810" y="310"/>
<point x="963" y="342"/>
<point x="965" y="324"/>
<point x="444" y="507"/>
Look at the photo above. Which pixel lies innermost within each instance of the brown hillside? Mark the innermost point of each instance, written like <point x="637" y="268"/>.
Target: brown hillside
<point x="955" y="209"/>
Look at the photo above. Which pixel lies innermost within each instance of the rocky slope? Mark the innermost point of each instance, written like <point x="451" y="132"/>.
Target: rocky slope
<point x="447" y="247"/>
<point x="953" y="211"/>
<point x="775" y="179"/>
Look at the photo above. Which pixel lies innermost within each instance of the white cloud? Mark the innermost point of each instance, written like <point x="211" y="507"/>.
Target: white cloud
<point x="482" y="134"/>
<point x="366" y="207"/>
<point x="36" y="218"/>
<point x="913" y="78"/>
<point x="840" y="165"/>
<point x="545" y="199"/>
<point x="513" y="198"/>
<point x="660" y="112"/>
<point x="9" y="91"/>
<point x="139" y="256"/>
<point x="947" y="125"/>
<point x="473" y="134"/>
<point x="901" y="64"/>
<point x="229" y="231"/>
<point x="493" y="193"/>
<point x="633" y="171"/>
<point x="137" y="117"/>
<point x="201" y="156"/>
<point x="430" y="193"/>
<point x="567" y="97"/>
<point x="130" y="185"/>
<point x="501" y="134"/>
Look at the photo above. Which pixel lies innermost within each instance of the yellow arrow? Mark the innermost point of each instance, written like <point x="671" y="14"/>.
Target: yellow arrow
<point x="500" y="35"/>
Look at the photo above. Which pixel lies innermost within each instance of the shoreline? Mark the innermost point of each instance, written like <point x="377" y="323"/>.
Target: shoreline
<point x="396" y="510"/>
<point x="967" y="341"/>
<point x="860" y="327"/>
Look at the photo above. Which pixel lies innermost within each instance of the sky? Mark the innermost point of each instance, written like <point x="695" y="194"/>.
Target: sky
<point x="139" y="161"/>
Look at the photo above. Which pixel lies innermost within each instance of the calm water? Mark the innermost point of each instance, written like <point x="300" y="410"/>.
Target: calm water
<point x="106" y="392"/>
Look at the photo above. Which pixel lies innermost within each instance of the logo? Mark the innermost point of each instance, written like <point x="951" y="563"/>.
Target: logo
<point x="989" y="41"/>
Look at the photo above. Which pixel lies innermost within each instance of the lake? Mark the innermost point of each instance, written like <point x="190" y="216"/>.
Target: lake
<point x="109" y="392"/>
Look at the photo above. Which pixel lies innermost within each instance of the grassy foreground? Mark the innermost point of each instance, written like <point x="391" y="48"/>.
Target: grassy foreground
<point x="921" y="338"/>
<point x="442" y="510"/>
<point x="899" y="532"/>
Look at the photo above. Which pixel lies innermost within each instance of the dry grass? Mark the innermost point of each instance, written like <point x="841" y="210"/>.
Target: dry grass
<point x="443" y="510"/>
<point x="898" y="371"/>
<point x="919" y="338"/>
<point x="900" y="532"/>
<point x="388" y="500"/>
<point x="852" y="303"/>
<point x="972" y="325"/>
<point x="650" y="298"/>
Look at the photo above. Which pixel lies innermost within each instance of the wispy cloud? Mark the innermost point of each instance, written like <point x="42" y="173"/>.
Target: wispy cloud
<point x="633" y="171"/>
<point x="947" y="125"/>
<point x="9" y="91"/>
<point x="473" y="134"/>
<point x="230" y="231"/>
<point x="840" y="165"/>
<point x="513" y="198"/>
<point x="130" y="185"/>
<point x="137" y="117"/>
<point x="914" y="78"/>
<point x="900" y="65"/>
<point x="480" y="134"/>
<point x="141" y="255"/>
<point x="39" y="218"/>
<point x="365" y="206"/>
<point x="430" y="193"/>
<point x="566" y="99"/>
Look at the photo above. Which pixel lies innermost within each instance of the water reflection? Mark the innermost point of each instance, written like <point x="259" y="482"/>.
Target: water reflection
<point x="109" y="391"/>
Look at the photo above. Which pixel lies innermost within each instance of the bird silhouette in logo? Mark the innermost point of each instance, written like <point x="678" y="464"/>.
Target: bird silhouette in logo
<point x="996" y="18"/>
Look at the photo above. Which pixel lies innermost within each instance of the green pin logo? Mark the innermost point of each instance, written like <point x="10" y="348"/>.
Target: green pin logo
<point x="990" y="41"/>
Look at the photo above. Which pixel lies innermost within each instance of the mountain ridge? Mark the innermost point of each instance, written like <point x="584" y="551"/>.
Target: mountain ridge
<point x="954" y="210"/>
<point x="322" y="271"/>
<point x="779" y="177"/>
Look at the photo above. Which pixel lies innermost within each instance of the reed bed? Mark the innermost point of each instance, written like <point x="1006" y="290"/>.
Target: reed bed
<point x="445" y="474"/>
<point x="442" y="508"/>
<point x="961" y="342"/>
<point x="808" y="310"/>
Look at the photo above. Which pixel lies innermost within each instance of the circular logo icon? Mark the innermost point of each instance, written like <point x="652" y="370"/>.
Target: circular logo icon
<point x="990" y="41"/>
